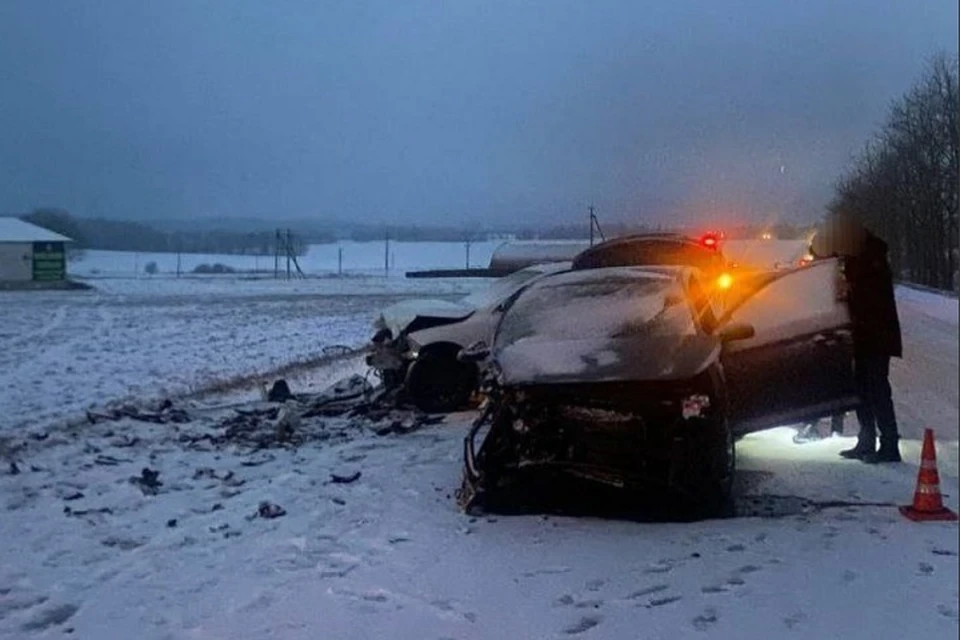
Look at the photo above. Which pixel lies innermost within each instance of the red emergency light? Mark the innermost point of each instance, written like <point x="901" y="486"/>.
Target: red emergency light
<point x="709" y="241"/>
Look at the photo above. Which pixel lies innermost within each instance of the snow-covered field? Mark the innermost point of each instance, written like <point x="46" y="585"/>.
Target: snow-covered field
<point x="62" y="351"/>
<point x="85" y="553"/>
<point x="367" y="258"/>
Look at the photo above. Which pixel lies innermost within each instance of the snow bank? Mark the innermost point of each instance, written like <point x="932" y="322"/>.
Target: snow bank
<point x="935" y="305"/>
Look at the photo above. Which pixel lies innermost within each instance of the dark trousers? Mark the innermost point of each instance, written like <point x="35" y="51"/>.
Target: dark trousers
<point x="876" y="411"/>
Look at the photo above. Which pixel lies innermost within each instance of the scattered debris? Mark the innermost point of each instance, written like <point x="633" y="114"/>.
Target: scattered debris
<point x="339" y="501"/>
<point x="147" y="481"/>
<point x="86" y="512"/>
<point x="165" y="413"/>
<point x="269" y="510"/>
<point x="280" y="392"/>
<point x="73" y="496"/>
<point x="338" y="479"/>
<point x="14" y="469"/>
<point x="109" y="461"/>
<point x="172" y="523"/>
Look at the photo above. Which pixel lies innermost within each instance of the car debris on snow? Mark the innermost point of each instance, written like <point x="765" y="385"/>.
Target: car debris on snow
<point x="268" y="510"/>
<point x="148" y="481"/>
<point x="347" y="479"/>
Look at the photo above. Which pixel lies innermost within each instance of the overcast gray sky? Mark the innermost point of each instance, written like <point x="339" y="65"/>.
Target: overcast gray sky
<point x="416" y="111"/>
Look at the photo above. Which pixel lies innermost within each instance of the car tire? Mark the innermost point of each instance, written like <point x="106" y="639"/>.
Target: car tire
<point x="713" y="474"/>
<point x="438" y="383"/>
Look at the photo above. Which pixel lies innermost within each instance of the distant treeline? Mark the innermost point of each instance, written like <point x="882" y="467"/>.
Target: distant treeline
<point x="114" y="235"/>
<point x="905" y="183"/>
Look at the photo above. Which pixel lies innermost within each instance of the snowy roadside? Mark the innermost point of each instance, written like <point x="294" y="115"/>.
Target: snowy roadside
<point x="87" y="553"/>
<point x="92" y="550"/>
<point x="64" y="351"/>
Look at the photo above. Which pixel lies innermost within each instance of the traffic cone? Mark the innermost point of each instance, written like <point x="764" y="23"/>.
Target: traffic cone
<point x="927" y="501"/>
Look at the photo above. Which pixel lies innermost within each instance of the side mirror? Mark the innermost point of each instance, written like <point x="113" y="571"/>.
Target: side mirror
<point x="737" y="331"/>
<point x="476" y="352"/>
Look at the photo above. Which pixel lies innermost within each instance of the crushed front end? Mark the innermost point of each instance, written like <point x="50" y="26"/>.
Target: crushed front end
<point x="636" y="437"/>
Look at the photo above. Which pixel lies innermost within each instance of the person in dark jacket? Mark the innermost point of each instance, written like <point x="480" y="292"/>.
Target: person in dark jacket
<point x="876" y="333"/>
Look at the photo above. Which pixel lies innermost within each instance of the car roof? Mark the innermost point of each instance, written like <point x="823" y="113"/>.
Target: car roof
<point x="608" y="250"/>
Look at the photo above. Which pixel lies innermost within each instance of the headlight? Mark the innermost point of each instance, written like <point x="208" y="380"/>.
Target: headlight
<point x="725" y="281"/>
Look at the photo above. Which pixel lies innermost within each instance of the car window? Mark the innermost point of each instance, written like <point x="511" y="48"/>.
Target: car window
<point x="557" y="310"/>
<point x="806" y="297"/>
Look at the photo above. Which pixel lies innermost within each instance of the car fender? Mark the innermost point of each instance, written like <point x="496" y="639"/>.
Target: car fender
<point x="479" y="326"/>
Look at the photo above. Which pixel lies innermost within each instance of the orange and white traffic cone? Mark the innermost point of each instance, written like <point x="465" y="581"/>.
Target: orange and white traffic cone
<point x="927" y="501"/>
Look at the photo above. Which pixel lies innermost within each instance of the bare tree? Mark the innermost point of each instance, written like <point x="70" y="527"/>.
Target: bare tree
<point x="904" y="184"/>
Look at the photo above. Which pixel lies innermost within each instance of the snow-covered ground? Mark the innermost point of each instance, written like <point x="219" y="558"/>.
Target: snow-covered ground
<point x="63" y="351"/>
<point x="85" y="553"/>
<point x="353" y="257"/>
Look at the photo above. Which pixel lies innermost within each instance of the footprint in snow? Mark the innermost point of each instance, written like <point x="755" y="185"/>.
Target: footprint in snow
<point x="713" y="589"/>
<point x="595" y="585"/>
<point x="705" y="620"/>
<point x="925" y="569"/>
<point x="750" y="568"/>
<point x="795" y="619"/>
<point x="51" y="617"/>
<point x="648" y="591"/>
<point x="659" y="602"/>
<point x="548" y="571"/>
<point x="664" y="566"/>
<point x="948" y="612"/>
<point x="583" y="625"/>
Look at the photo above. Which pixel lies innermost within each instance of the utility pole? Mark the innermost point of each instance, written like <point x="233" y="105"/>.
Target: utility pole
<point x="386" y="253"/>
<point x="289" y="252"/>
<point x="590" y="209"/>
<point x="467" y="243"/>
<point x="340" y="260"/>
<point x="276" y="254"/>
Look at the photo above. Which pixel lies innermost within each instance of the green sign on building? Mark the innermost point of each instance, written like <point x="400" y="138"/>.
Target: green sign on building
<point x="49" y="261"/>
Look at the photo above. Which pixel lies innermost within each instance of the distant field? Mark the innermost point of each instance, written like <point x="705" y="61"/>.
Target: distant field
<point x="358" y="258"/>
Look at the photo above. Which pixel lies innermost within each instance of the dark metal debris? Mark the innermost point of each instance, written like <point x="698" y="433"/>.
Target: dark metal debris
<point x="338" y="479"/>
<point x="269" y="510"/>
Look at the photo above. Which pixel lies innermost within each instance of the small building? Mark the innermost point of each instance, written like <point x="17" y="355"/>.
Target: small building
<point x="29" y="253"/>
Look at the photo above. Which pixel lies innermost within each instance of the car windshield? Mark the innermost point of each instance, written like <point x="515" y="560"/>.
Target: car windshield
<point x="501" y="289"/>
<point x="568" y="307"/>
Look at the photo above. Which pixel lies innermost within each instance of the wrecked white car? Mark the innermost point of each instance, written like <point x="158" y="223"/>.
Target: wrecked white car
<point x="416" y="342"/>
<point x="628" y="377"/>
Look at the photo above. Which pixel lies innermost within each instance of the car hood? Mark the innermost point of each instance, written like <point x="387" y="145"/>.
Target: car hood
<point x="590" y="360"/>
<point x="398" y="317"/>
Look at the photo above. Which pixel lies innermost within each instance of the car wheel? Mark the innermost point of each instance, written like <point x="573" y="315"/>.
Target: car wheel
<point x="717" y="467"/>
<point x="438" y="383"/>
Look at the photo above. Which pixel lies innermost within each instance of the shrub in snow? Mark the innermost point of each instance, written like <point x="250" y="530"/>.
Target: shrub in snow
<point x="214" y="268"/>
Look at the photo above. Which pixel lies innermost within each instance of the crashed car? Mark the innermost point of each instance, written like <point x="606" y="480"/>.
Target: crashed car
<point x="632" y="378"/>
<point x="416" y="342"/>
<point x="705" y="254"/>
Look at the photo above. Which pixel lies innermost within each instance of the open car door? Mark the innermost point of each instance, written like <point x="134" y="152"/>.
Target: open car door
<point x="798" y="365"/>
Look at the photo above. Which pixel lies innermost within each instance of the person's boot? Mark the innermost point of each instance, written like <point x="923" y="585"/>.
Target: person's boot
<point x="889" y="452"/>
<point x="859" y="452"/>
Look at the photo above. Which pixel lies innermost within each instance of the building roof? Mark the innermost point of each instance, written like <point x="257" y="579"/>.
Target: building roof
<point x="16" y="230"/>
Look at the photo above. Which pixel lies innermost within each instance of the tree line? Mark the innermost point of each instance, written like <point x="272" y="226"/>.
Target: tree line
<point x="118" y="235"/>
<point x="904" y="185"/>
